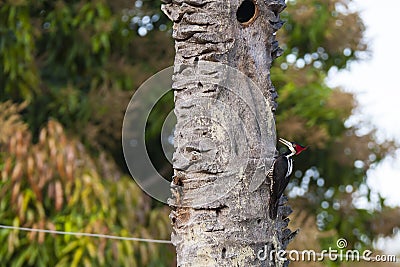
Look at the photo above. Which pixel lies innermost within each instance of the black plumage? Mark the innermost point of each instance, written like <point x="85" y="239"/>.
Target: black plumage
<point x="277" y="187"/>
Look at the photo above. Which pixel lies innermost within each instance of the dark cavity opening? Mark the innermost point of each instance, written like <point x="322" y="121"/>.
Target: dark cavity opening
<point x="246" y="11"/>
<point x="223" y="253"/>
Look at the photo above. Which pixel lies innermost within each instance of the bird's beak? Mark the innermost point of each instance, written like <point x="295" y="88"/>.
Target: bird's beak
<point x="285" y="142"/>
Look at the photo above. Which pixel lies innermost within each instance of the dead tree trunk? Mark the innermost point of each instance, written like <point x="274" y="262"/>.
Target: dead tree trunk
<point x="225" y="135"/>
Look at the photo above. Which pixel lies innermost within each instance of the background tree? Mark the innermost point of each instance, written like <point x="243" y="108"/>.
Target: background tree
<point x="331" y="179"/>
<point x="55" y="184"/>
<point x="78" y="62"/>
<point x="74" y="63"/>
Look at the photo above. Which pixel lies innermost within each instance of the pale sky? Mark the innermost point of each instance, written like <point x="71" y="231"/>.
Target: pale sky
<point x="376" y="85"/>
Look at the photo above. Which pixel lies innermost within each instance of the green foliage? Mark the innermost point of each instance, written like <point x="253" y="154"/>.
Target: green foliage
<point x="329" y="31"/>
<point x="47" y="186"/>
<point x="58" y="55"/>
<point x="18" y="70"/>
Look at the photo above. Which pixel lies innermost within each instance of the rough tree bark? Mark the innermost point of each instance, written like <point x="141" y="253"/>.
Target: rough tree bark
<point x="225" y="138"/>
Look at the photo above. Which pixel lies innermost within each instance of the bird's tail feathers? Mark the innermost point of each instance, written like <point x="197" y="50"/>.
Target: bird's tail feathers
<point x="273" y="210"/>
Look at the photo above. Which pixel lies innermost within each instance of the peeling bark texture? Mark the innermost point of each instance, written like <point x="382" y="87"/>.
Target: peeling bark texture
<point x="225" y="138"/>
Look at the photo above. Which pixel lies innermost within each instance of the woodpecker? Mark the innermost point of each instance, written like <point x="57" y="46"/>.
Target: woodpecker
<point x="279" y="175"/>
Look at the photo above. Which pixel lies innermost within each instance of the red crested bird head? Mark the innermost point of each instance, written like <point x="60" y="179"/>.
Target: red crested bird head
<point x="299" y="148"/>
<point x="295" y="148"/>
